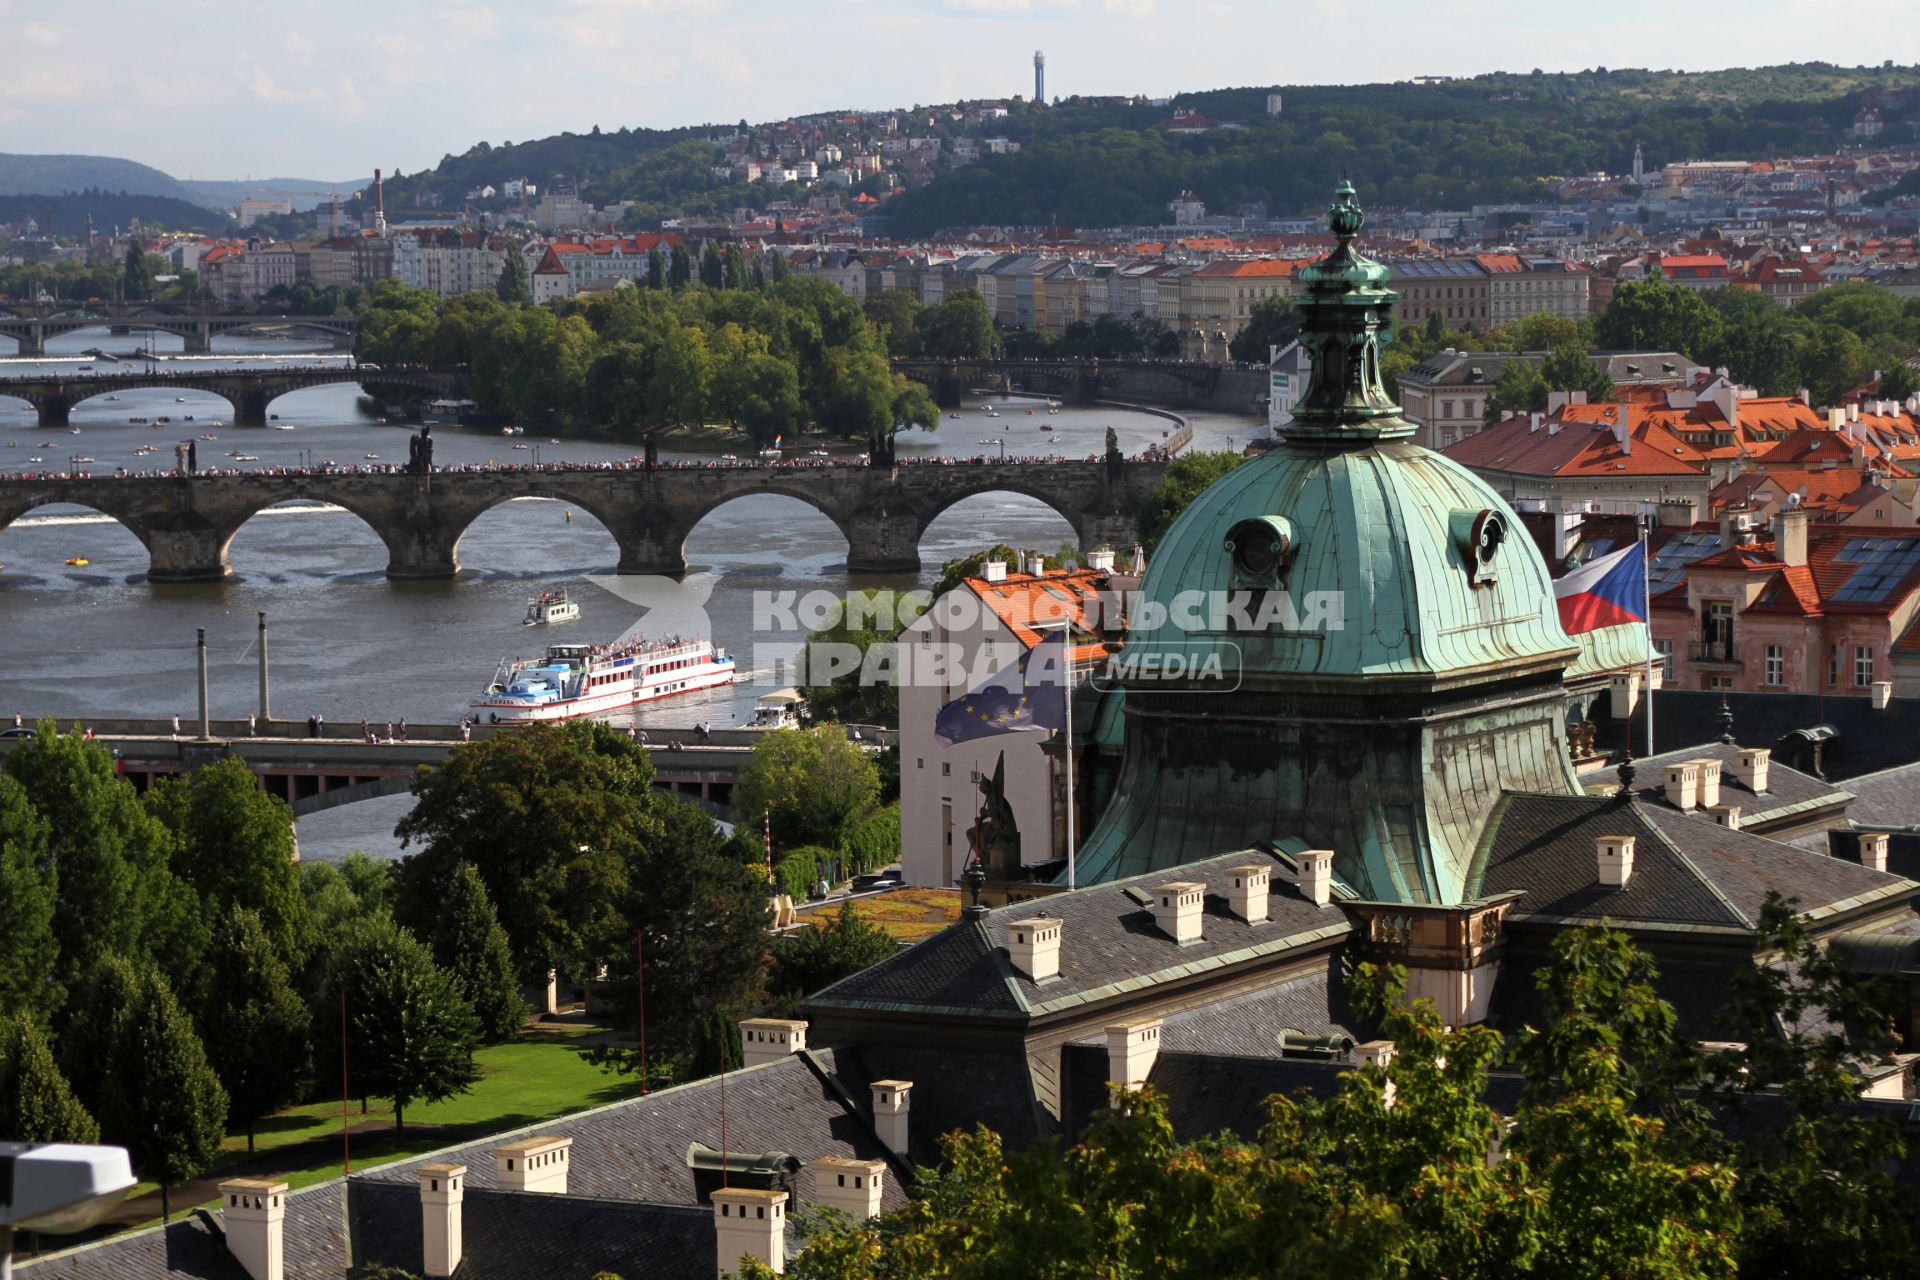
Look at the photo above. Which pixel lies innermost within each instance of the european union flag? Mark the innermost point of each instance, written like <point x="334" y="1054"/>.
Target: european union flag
<point x="1026" y="695"/>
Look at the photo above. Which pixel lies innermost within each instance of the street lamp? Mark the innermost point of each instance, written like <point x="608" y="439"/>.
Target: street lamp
<point x="57" y="1187"/>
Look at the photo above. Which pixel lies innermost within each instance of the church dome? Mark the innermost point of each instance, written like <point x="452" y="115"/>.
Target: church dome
<point x="1348" y="643"/>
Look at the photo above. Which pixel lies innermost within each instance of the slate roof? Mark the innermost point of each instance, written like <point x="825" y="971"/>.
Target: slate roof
<point x="1889" y="798"/>
<point x="1109" y="946"/>
<point x="1250" y="1025"/>
<point x="637" y="1149"/>
<point x="1787" y="788"/>
<point x="952" y="1089"/>
<point x="1686" y="873"/>
<point x="514" y="1235"/>
<point x="314" y="1229"/>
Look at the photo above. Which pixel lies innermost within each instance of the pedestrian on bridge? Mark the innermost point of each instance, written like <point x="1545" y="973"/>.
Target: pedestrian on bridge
<point x="389" y="733"/>
<point x="466" y="729"/>
<point x="176" y="726"/>
<point x="403" y="728"/>
<point x="18" y="722"/>
<point x="252" y="726"/>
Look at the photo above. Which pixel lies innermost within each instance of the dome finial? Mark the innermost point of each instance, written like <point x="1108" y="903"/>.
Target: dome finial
<point x="1345" y="216"/>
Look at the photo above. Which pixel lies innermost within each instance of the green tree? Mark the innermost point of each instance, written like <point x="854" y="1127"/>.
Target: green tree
<point x="137" y="275"/>
<point x="36" y="1103"/>
<point x="860" y="403"/>
<point x="682" y="373"/>
<point x="812" y="959"/>
<point x="1834" y="363"/>
<point x="234" y="844"/>
<point x="410" y="1031"/>
<point x="958" y="327"/>
<point x="1652" y="315"/>
<point x="1569" y="369"/>
<point x="712" y="268"/>
<point x="699" y="915"/>
<point x="551" y="818"/>
<point x="1540" y="331"/>
<point x="1188" y="476"/>
<point x="109" y="858"/>
<point x="163" y="1101"/>
<point x="656" y="268"/>
<point x="1898" y="381"/>
<point x="255" y="1026"/>
<point x="469" y="943"/>
<point x="679" y="268"/>
<point x="102" y="999"/>
<point x="29" y="955"/>
<point x="842" y="665"/>
<point x="1520" y="388"/>
<point x="814" y="783"/>
<point x="513" y="287"/>
<point x="892" y="313"/>
<point x="1273" y="322"/>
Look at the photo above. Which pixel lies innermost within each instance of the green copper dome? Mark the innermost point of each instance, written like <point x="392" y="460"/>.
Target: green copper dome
<point x="1348" y="643"/>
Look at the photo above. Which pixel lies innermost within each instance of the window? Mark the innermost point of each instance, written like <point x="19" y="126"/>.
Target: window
<point x="946" y="769"/>
<point x="1446" y="408"/>
<point x="1862" y="665"/>
<point x="1664" y="648"/>
<point x="1719" y="682"/>
<point x="1719" y="630"/>
<point x="1446" y="439"/>
<point x="1776" y="665"/>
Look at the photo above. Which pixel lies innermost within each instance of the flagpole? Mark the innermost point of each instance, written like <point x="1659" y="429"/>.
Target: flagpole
<point x="1072" y="866"/>
<point x="1646" y="584"/>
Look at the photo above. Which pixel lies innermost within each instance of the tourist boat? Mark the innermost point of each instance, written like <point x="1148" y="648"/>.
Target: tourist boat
<point x="551" y="609"/>
<point x="1029" y="413"/>
<point x="993" y="413"/>
<point x="163" y="419"/>
<point x="137" y="421"/>
<point x="245" y="457"/>
<point x="574" y="680"/>
<point x="179" y="399"/>
<point x="73" y="431"/>
<point x="777" y="710"/>
<point x="81" y="460"/>
<point x="770" y="453"/>
<point x="284" y="427"/>
<point x="523" y="446"/>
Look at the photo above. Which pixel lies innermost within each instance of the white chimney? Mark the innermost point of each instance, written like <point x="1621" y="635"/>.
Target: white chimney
<point x="1033" y="945"/>
<point x="253" y="1214"/>
<point x="1247" y="889"/>
<point x="1132" y="1048"/>
<point x="1873" y="850"/>
<point x="1376" y="1053"/>
<point x="441" y="1191"/>
<point x="994" y="571"/>
<point x="1101" y="560"/>
<point x="1881" y="693"/>
<point x="1624" y="691"/>
<point x="1316" y="875"/>
<point x="764" y="1040"/>
<point x="892" y="1108"/>
<point x="532" y="1164"/>
<point x="1683" y="784"/>
<point x="1177" y="906"/>
<point x="1616" y="860"/>
<point x="851" y="1186"/>
<point x="1790" y="538"/>
<point x="1709" y="782"/>
<point x="750" y="1224"/>
<point x="1750" y="766"/>
<point x="1725" y="815"/>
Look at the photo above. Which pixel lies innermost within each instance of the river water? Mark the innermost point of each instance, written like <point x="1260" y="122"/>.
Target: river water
<point x="101" y="640"/>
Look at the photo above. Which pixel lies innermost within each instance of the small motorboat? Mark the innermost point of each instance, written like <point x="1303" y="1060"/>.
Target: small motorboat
<point x="82" y="460"/>
<point x="138" y="422"/>
<point x="163" y="419"/>
<point x="287" y="427"/>
<point x="78" y="561"/>
<point x="179" y="399"/>
<point x="1046" y="426"/>
<point x="113" y="397"/>
<point x="551" y="609"/>
<point x="1029" y="413"/>
<point x="553" y="439"/>
<point x="36" y="458"/>
<point x="993" y="413"/>
<point x="208" y="435"/>
<point x="186" y="417"/>
<point x="73" y="431"/>
<point x="727" y="457"/>
<point x="370" y="457"/>
<point x="523" y="446"/>
<point x="244" y="457"/>
<point x="953" y="415"/>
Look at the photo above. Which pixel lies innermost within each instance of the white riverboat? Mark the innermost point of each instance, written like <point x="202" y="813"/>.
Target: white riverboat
<point x="550" y="608"/>
<point x="574" y="680"/>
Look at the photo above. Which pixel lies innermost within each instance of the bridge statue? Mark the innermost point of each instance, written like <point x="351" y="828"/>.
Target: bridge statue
<point x="995" y="835"/>
<point x="420" y="451"/>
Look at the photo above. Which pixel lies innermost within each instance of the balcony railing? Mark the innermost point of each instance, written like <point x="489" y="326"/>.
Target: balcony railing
<point x="1720" y="651"/>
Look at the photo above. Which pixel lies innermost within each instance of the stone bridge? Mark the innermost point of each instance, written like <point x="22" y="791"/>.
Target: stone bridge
<point x="340" y="767"/>
<point x="1090" y="380"/>
<point x="53" y="398"/>
<point x="187" y="522"/>
<point x="30" y="324"/>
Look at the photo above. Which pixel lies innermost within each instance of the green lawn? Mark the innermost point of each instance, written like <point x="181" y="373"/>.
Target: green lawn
<point x="521" y="1083"/>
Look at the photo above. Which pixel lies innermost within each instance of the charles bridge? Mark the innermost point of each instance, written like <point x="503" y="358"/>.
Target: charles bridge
<point x="250" y="393"/>
<point x="30" y="324"/>
<point x="187" y="522"/>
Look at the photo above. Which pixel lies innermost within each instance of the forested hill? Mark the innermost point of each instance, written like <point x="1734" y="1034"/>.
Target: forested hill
<point x="1490" y="138"/>
<point x="1106" y="162"/>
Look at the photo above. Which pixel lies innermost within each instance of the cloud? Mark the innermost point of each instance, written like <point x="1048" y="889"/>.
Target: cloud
<point x="41" y="34"/>
<point x="299" y="45"/>
<point x="1130" y="8"/>
<point x="994" y="6"/>
<point x="399" y="45"/>
<point x="470" y="23"/>
<point x="264" y="87"/>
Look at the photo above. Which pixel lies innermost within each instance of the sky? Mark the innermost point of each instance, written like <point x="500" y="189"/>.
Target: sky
<point x="330" y="91"/>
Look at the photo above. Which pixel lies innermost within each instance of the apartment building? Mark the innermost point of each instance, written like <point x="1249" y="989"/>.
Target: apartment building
<point x="1458" y="290"/>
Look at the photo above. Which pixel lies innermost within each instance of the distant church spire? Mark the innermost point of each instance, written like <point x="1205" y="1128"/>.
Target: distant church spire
<point x="1639" y="167"/>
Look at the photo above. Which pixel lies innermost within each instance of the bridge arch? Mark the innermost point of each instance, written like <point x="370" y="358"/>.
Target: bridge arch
<point x="75" y="542"/>
<point x="327" y="554"/>
<point x="569" y="524"/>
<point x="690" y="520"/>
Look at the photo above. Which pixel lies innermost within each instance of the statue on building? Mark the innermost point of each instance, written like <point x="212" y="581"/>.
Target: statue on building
<point x="995" y="835"/>
<point x="420" y="451"/>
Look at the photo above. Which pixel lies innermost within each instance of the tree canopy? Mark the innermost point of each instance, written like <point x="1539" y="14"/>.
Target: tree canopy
<point x="410" y="1031"/>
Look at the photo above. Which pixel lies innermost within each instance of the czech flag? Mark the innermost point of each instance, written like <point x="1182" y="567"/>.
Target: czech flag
<point x="1607" y="593"/>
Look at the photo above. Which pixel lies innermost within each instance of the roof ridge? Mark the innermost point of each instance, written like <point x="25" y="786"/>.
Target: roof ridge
<point x="1687" y="862"/>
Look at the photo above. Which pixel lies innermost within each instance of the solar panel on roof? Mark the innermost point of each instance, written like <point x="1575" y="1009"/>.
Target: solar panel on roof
<point x="1883" y="564"/>
<point x="1670" y="562"/>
